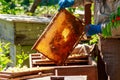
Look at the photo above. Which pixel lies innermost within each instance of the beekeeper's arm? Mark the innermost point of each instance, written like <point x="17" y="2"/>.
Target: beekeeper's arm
<point x="91" y="29"/>
<point x="69" y="3"/>
<point x="100" y="26"/>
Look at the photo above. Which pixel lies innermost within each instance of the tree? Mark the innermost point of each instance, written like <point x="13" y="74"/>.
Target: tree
<point x="34" y="6"/>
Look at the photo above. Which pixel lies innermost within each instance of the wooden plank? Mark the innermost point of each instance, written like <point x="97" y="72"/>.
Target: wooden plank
<point x="31" y="71"/>
<point x="27" y="33"/>
<point x="61" y="78"/>
<point x="89" y="70"/>
<point x="32" y="76"/>
<point x="37" y="59"/>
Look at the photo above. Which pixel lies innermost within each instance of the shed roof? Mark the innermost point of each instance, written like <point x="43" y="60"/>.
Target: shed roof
<point x="21" y="18"/>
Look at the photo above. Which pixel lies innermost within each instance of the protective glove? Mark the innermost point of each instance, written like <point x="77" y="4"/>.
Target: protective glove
<point x="65" y="3"/>
<point x="93" y="29"/>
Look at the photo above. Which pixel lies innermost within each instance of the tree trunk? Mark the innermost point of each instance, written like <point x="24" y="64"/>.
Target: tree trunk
<point x="34" y="6"/>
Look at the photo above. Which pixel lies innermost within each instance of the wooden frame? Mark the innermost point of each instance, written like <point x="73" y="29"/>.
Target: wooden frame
<point x="60" y="37"/>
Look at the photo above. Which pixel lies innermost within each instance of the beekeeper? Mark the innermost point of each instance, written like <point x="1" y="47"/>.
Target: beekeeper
<point x="107" y="22"/>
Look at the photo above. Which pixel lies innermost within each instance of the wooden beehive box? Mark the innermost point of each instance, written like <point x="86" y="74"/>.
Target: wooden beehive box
<point x="89" y="70"/>
<point x="24" y="74"/>
<point x="23" y="30"/>
<point x="60" y="37"/>
<point x="36" y="59"/>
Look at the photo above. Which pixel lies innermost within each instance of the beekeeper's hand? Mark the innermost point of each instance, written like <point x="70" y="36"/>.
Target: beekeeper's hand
<point x="93" y="29"/>
<point x="65" y="3"/>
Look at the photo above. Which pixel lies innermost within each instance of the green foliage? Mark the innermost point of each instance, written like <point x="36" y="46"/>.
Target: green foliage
<point x="21" y="58"/>
<point x="4" y="54"/>
<point x="21" y="7"/>
<point x="14" y="6"/>
<point x="114" y="23"/>
<point x="48" y="2"/>
<point x="94" y="39"/>
<point x="92" y="11"/>
<point x="4" y="60"/>
<point x="46" y="10"/>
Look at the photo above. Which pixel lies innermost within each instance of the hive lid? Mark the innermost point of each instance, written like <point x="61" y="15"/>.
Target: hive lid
<point x="60" y="37"/>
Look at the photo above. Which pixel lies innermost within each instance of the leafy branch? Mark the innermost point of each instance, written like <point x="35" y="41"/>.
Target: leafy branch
<point x="4" y="55"/>
<point x="114" y="23"/>
<point x="21" y="58"/>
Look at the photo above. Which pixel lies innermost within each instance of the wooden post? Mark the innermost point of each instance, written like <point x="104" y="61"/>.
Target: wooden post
<point x="87" y="14"/>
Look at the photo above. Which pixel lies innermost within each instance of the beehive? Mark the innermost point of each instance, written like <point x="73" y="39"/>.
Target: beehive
<point x="60" y="37"/>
